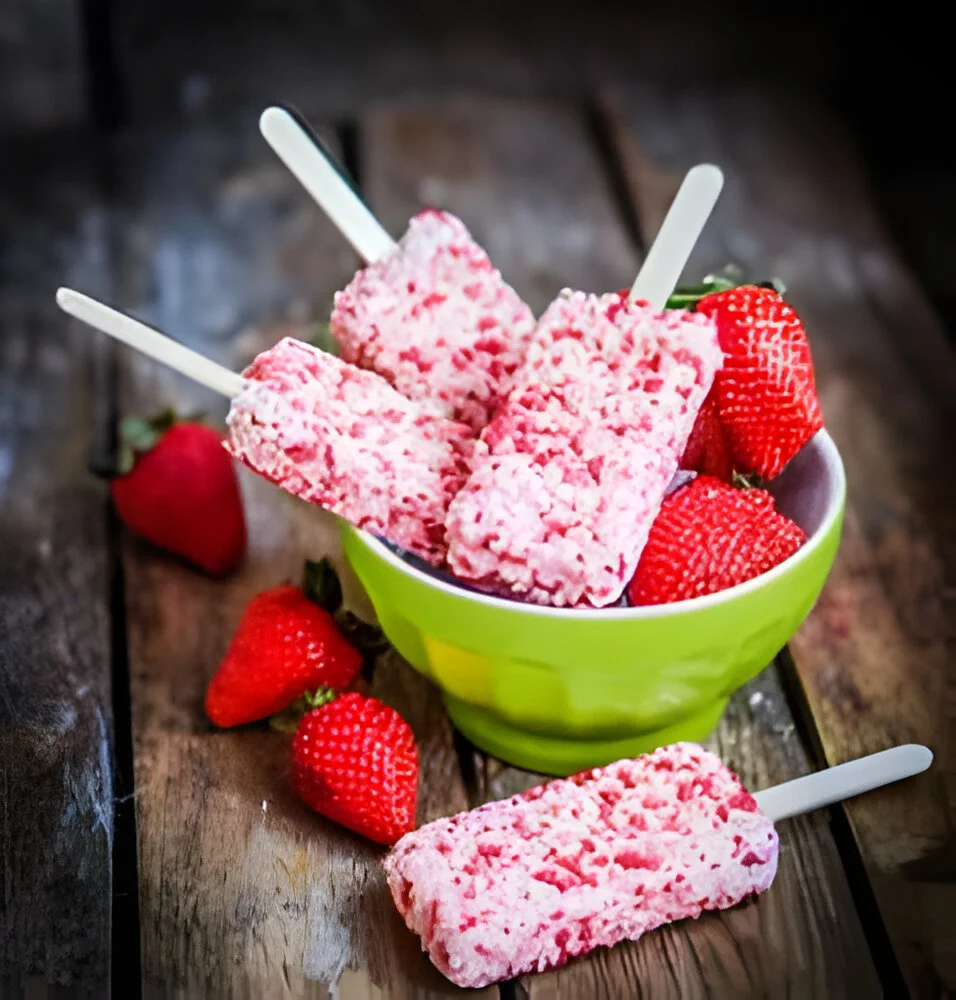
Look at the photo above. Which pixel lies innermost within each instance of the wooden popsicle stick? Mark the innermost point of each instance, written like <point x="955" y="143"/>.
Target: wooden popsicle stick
<point x="678" y="235"/>
<point x="301" y="152"/>
<point x="151" y="342"/>
<point x="833" y="784"/>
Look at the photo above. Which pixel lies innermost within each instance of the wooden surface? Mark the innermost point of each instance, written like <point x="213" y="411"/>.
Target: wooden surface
<point x="176" y="55"/>
<point x="56" y="782"/>
<point x="875" y="658"/>
<point x="41" y="64"/>
<point x="485" y="160"/>
<point x="242" y="891"/>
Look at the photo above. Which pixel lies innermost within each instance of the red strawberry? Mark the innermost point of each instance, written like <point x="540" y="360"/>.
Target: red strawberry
<point x="285" y="645"/>
<point x="710" y="536"/>
<point x="707" y="451"/>
<point x="766" y="393"/>
<point x="178" y="489"/>
<point x="354" y="760"/>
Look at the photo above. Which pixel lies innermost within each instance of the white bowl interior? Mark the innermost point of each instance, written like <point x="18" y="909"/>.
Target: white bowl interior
<point x="811" y="487"/>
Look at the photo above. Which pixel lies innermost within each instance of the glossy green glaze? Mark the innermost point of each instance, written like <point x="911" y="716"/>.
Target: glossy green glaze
<point x="557" y="691"/>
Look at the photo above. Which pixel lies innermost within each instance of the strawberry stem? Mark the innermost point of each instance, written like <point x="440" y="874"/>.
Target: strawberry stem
<point x="750" y="481"/>
<point x="321" y="696"/>
<point x="287" y="721"/>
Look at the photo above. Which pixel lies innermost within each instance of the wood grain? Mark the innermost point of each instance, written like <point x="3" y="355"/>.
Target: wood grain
<point x="244" y="891"/>
<point x="875" y="659"/>
<point x="56" y="773"/>
<point x="339" y="57"/>
<point x="41" y="64"/>
<point x="527" y="179"/>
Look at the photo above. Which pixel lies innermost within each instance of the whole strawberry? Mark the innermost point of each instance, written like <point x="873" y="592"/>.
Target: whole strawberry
<point x="710" y="536"/>
<point x="285" y="645"/>
<point x="177" y="488"/>
<point x="354" y="760"/>
<point x="707" y="450"/>
<point x="766" y="393"/>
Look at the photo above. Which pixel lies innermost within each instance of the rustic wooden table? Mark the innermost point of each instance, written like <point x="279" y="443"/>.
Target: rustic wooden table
<point x="219" y="882"/>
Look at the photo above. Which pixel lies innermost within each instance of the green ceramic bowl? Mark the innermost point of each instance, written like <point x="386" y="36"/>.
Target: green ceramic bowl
<point x="559" y="690"/>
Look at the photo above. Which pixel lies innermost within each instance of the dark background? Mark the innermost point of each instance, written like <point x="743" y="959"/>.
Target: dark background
<point x="68" y="64"/>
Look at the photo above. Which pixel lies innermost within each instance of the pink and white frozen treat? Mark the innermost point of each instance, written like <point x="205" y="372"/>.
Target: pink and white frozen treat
<point x="525" y="884"/>
<point x="570" y="473"/>
<point x="344" y="439"/>
<point x="436" y="319"/>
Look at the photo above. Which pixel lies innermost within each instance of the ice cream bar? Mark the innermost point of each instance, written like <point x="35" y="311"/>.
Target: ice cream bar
<point x="570" y="473"/>
<point x="343" y="438"/>
<point x="525" y="884"/>
<point x="436" y="319"/>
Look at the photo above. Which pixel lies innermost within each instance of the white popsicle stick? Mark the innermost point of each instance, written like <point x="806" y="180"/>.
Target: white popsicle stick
<point x="682" y="227"/>
<point x="149" y="341"/>
<point x="299" y="151"/>
<point x="813" y="791"/>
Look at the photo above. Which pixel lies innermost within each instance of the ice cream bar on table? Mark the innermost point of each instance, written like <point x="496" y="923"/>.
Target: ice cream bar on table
<point x="343" y="438"/>
<point x="525" y="884"/>
<point x="570" y="473"/>
<point x="436" y="319"/>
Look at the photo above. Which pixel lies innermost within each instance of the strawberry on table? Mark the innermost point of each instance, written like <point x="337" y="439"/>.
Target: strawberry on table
<point x="285" y="646"/>
<point x="766" y="393"/>
<point x="710" y="536"/>
<point x="177" y="487"/>
<point x="354" y="760"/>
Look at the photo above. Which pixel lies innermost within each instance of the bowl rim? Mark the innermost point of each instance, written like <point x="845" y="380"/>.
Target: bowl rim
<point x="834" y="465"/>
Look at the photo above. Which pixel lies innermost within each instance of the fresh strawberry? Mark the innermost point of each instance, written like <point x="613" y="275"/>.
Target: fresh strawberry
<point x="766" y="393"/>
<point x="285" y="646"/>
<point x="710" y="536"/>
<point x="707" y="451"/>
<point x="354" y="760"/>
<point x="177" y="488"/>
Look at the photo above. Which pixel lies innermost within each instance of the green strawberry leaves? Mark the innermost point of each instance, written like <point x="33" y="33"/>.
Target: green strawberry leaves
<point x="138" y="435"/>
<point x="751" y="481"/>
<point x="287" y="721"/>
<point x="321" y="584"/>
<point x="731" y="276"/>
<point x="322" y="339"/>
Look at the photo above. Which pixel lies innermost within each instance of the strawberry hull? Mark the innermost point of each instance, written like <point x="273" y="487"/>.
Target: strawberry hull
<point x="436" y="319"/>
<point x="525" y="884"/>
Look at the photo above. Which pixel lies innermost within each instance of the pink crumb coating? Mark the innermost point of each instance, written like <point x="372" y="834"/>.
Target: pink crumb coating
<point x="605" y="856"/>
<point x="436" y="319"/>
<point x="570" y="474"/>
<point x="343" y="438"/>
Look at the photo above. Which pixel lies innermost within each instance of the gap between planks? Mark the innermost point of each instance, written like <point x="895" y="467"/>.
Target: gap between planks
<point x="873" y="661"/>
<point x="244" y="891"/>
<point x="549" y="221"/>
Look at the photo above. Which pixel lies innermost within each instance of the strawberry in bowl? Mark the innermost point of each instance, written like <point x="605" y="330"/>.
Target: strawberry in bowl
<point x="733" y="562"/>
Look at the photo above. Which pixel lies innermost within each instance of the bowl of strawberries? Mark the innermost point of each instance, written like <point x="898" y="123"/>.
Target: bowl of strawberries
<point x="736" y="556"/>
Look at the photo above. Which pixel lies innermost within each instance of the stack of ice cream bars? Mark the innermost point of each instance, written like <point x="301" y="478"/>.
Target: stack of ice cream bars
<point x="529" y="459"/>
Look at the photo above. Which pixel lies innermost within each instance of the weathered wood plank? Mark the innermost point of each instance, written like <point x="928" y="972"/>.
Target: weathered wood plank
<point x="244" y="891"/>
<point x="338" y="57"/>
<point x="527" y="180"/>
<point x="56" y="773"/>
<point x="875" y="659"/>
<point x="41" y="64"/>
